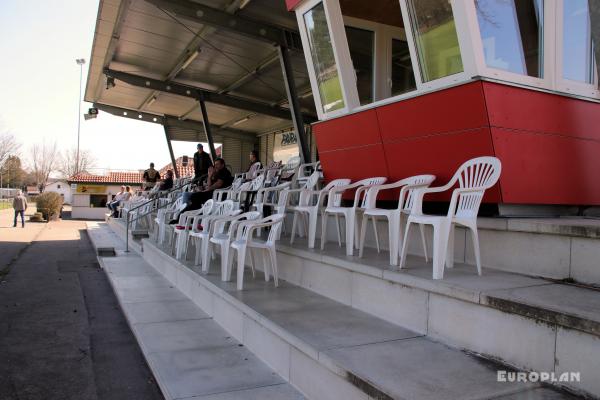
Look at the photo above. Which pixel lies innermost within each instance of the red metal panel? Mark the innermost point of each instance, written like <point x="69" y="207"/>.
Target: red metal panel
<point x="356" y="163"/>
<point x="454" y="109"/>
<point x="524" y="109"/>
<point x="349" y="131"/>
<point x="439" y="155"/>
<point x="292" y="4"/>
<point x="547" y="169"/>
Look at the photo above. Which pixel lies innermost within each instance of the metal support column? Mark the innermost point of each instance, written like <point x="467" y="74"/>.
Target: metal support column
<point x="290" y="88"/>
<point x="171" y="152"/>
<point x="206" y="122"/>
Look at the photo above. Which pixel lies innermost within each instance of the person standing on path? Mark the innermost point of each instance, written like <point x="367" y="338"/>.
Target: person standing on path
<point x="20" y="205"/>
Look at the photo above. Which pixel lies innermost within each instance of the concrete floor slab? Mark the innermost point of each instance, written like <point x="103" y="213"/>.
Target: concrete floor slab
<point x="194" y="335"/>
<point x="282" y="391"/>
<point x="150" y="294"/>
<point x="163" y="311"/>
<point x="568" y="305"/>
<point x="210" y="371"/>
<point x="538" y="394"/>
<point x="421" y="369"/>
<point x="338" y="326"/>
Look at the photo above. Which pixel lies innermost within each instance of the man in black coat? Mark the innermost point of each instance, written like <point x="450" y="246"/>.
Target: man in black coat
<point x="202" y="163"/>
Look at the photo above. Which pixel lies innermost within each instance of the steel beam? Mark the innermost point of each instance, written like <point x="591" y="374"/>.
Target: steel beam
<point x="207" y="130"/>
<point x="173" y="162"/>
<point x="169" y="120"/>
<point x="199" y="94"/>
<point x="290" y="88"/>
<point x="192" y="46"/>
<point x="242" y="80"/>
<point x="207" y="15"/>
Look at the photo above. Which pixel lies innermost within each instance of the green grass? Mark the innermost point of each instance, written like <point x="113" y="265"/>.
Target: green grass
<point x="332" y="91"/>
<point x="5" y="205"/>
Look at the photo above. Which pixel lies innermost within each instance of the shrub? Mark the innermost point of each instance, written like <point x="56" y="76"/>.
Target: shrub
<point x="49" y="204"/>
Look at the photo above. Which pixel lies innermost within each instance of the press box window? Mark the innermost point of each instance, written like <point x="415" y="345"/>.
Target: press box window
<point x="436" y="39"/>
<point x="578" y="49"/>
<point x="323" y="59"/>
<point x="512" y="34"/>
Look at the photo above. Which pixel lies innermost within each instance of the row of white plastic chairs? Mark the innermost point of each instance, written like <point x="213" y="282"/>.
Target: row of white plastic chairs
<point x="222" y="225"/>
<point x="471" y="180"/>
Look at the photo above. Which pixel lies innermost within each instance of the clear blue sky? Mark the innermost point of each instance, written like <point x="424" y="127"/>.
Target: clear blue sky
<point x="39" y="42"/>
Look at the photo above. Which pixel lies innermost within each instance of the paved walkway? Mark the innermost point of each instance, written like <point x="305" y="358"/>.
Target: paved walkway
<point x="62" y="333"/>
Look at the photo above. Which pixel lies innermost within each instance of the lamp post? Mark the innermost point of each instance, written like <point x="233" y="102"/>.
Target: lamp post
<point x="80" y="62"/>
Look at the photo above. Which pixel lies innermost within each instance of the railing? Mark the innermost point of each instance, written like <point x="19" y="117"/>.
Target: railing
<point x="128" y="219"/>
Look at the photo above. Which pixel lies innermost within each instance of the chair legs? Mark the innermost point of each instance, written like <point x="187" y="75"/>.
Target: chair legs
<point x="312" y="228"/>
<point x="475" y="237"/>
<point x="241" y="258"/>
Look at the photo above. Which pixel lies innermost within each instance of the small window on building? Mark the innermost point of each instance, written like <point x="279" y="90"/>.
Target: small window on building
<point x="436" y="40"/>
<point x="578" y="49"/>
<point x="97" y="200"/>
<point x="58" y="186"/>
<point x="321" y="51"/>
<point x="361" y="43"/>
<point x="512" y="35"/>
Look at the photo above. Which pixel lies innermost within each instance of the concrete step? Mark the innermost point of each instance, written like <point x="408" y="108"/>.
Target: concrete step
<point x="103" y="239"/>
<point x="190" y="355"/>
<point x="529" y="323"/>
<point x="556" y="248"/>
<point x="329" y="350"/>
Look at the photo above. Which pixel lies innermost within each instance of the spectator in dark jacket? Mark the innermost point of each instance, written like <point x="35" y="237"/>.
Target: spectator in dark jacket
<point x="202" y="163"/>
<point x="167" y="183"/>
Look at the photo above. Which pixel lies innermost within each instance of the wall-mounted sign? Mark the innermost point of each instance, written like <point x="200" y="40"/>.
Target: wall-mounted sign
<point x="91" y="189"/>
<point x="288" y="138"/>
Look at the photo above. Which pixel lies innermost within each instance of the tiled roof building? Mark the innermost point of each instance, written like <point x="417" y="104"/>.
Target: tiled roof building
<point x="115" y="177"/>
<point x="188" y="170"/>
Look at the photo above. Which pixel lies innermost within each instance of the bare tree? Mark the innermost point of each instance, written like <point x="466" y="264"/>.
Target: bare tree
<point x="44" y="159"/>
<point x="8" y="146"/>
<point x="67" y="164"/>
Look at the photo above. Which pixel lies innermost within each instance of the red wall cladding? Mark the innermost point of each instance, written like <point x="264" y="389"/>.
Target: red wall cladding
<point x="549" y="144"/>
<point x="291" y="4"/>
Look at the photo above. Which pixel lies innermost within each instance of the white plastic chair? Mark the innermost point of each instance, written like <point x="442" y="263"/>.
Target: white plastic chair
<point x="180" y="236"/>
<point x="396" y="217"/>
<point x="308" y="207"/>
<point x="202" y="236"/>
<point x="224" y="233"/>
<point x="474" y="177"/>
<point x="163" y="217"/>
<point x="245" y="241"/>
<point x="305" y="170"/>
<point x="253" y="171"/>
<point x="334" y="208"/>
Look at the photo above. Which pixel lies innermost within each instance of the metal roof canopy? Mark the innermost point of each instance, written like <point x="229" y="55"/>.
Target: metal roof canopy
<point x="169" y="55"/>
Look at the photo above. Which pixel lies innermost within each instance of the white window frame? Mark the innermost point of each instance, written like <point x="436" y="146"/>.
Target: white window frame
<point x="471" y="50"/>
<point x="563" y="84"/>
<point x="445" y="81"/>
<point x="341" y="54"/>
<point x="479" y="58"/>
<point x="383" y="35"/>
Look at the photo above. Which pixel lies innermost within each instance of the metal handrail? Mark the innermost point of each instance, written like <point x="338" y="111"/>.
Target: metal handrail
<point x="128" y="221"/>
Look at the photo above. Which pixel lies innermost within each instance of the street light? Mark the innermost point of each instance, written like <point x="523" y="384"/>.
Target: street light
<point x="80" y="62"/>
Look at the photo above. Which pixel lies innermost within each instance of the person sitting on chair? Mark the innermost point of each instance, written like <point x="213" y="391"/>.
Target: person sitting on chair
<point x="167" y="183"/>
<point x="116" y="201"/>
<point x="219" y="177"/>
